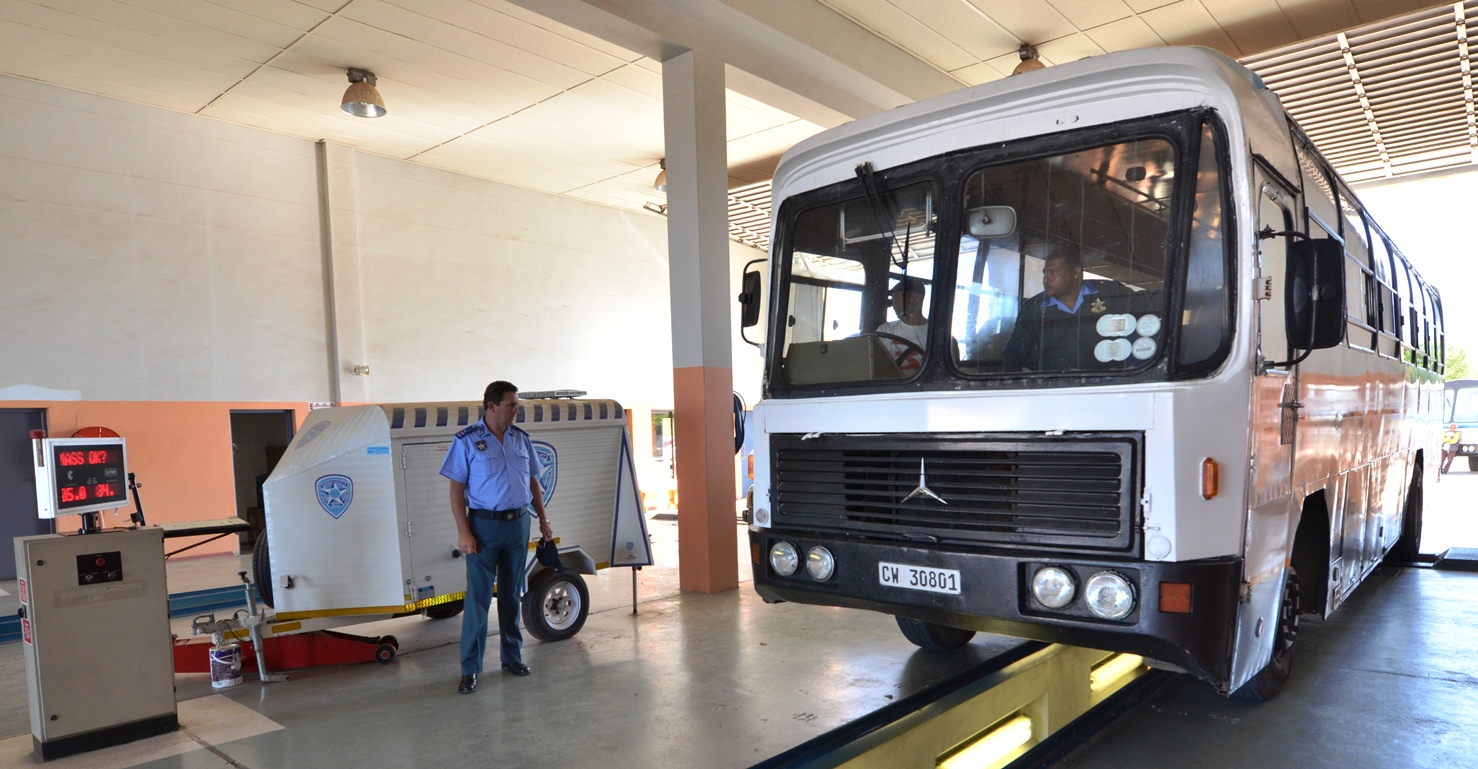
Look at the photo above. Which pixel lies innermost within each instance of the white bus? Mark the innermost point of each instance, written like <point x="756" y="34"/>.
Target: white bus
<point x="1167" y="388"/>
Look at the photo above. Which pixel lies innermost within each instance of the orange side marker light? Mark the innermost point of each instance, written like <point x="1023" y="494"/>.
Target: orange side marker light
<point x="1210" y="478"/>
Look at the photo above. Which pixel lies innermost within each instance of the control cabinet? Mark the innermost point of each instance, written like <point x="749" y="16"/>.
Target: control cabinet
<point x="95" y="637"/>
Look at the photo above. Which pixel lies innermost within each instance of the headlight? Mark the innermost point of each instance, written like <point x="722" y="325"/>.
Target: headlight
<point x="820" y="564"/>
<point x="1109" y="595"/>
<point x="1053" y="587"/>
<point x="784" y="559"/>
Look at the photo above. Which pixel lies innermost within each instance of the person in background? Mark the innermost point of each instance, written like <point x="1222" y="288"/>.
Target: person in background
<point x="1450" y="439"/>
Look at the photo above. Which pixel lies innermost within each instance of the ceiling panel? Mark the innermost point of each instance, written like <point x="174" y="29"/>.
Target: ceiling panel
<point x="1125" y="34"/>
<point x="1087" y="14"/>
<point x="916" y="36"/>
<point x="496" y="90"/>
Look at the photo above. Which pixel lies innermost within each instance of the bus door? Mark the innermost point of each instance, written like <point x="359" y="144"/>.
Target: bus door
<point x="1275" y="412"/>
<point x="1275" y="387"/>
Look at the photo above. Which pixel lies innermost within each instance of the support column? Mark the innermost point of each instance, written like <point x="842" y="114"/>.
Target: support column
<point x="698" y="276"/>
<point x="338" y="202"/>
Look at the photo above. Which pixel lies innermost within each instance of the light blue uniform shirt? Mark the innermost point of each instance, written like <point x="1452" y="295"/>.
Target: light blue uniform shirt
<point x="496" y="473"/>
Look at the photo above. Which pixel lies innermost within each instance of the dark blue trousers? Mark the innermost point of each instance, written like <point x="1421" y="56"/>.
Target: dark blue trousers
<point x="502" y="553"/>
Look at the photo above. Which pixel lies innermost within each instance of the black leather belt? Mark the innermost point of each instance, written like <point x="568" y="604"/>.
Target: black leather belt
<point x="511" y="514"/>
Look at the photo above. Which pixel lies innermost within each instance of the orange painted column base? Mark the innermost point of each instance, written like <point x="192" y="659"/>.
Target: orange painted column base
<point x="708" y="537"/>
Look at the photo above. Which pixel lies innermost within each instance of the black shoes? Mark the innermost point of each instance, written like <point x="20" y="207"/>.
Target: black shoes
<point x="468" y="684"/>
<point x="517" y="668"/>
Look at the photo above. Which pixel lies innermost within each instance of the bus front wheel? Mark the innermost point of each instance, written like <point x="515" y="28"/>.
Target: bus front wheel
<point x="1271" y="679"/>
<point x="1473" y="464"/>
<point x="927" y="635"/>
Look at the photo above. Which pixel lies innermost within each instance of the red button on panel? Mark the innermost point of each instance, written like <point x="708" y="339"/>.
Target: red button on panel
<point x="101" y="562"/>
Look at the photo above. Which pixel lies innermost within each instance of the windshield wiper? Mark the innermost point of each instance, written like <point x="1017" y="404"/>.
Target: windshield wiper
<point x="884" y="213"/>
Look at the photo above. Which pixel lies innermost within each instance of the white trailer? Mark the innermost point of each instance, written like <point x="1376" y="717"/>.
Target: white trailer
<point x="358" y="521"/>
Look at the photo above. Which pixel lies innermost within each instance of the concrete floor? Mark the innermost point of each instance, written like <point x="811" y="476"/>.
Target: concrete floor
<point x="725" y="681"/>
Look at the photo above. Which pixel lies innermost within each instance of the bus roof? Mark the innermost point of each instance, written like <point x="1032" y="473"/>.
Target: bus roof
<point x="1092" y="91"/>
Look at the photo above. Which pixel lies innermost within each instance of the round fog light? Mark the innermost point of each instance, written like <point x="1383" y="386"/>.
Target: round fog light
<point x="819" y="564"/>
<point x="1053" y="587"/>
<point x="784" y="559"/>
<point x="1109" y="595"/>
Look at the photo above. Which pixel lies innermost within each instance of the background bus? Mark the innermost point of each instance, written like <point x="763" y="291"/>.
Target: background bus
<point x="1225" y="424"/>
<point x="1461" y="409"/>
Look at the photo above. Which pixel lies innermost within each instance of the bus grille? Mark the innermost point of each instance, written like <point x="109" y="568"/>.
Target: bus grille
<point x="1071" y="492"/>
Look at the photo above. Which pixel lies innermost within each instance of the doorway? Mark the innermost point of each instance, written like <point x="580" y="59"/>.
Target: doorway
<point x="18" y="483"/>
<point x="258" y="440"/>
<point x="664" y="463"/>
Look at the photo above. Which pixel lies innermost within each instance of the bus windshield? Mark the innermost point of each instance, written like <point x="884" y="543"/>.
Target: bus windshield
<point x="1055" y="264"/>
<point x="1462" y="403"/>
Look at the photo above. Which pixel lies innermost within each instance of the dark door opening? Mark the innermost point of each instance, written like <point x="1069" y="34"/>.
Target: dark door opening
<point x="258" y="440"/>
<point x="18" y="483"/>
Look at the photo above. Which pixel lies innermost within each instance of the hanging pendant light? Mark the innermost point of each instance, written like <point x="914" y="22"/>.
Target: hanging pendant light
<point x="1029" y="60"/>
<point x="660" y="184"/>
<point x="361" y="99"/>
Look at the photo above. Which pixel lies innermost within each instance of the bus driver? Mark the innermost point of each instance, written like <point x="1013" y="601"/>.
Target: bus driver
<point x="1056" y="329"/>
<point x="910" y="331"/>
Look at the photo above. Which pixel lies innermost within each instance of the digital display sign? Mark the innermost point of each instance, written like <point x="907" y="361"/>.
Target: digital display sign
<point x="88" y="475"/>
<point x="81" y="475"/>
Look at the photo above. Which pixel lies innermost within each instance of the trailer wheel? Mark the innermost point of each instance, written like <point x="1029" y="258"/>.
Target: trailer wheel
<point x="1271" y="679"/>
<point x="556" y="605"/>
<point x="261" y="569"/>
<point x="927" y="635"/>
<point x="444" y="610"/>
<point x="384" y="653"/>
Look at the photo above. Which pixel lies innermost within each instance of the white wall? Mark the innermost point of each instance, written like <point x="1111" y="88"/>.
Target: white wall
<point x="191" y="250"/>
<point x="150" y="255"/>
<point x="489" y="281"/>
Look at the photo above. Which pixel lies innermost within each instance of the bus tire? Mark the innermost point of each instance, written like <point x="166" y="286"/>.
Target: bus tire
<point x="556" y="605"/>
<point x="927" y="635"/>
<point x="1409" y="547"/>
<point x="1473" y="464"/>
<point x="261" y="569"/>
<point x="1274" y="676"/>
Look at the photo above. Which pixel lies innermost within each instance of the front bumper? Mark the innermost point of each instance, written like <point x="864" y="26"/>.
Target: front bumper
<point x="995" y="597"/>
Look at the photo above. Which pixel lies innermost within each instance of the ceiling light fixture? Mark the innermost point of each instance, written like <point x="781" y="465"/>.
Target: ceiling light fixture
<point x="660" y="184"/>
<point x="1029" y="60"/>
<point x="361" y="99"/>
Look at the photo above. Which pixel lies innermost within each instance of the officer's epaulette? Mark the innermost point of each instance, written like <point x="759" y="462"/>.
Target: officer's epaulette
<point x="519" y="430"/>
<point x="466" y="431"/>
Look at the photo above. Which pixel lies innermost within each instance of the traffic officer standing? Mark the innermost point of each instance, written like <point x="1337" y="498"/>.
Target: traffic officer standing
<point x="494" y="476"/>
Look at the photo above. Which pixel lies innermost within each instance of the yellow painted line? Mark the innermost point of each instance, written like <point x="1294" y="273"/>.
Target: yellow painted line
<point x="342" y="612"/>
<point x="286" y="627"/>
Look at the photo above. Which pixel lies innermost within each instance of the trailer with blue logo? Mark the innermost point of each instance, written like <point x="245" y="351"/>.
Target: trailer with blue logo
<point x="359" y="524"/>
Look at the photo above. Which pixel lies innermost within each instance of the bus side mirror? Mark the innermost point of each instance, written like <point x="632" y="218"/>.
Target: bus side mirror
<point x="749" y="300"/>
<point x="1315" y="303"/>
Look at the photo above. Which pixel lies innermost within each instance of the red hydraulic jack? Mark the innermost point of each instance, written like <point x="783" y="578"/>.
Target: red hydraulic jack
<point x="282" y="652"/>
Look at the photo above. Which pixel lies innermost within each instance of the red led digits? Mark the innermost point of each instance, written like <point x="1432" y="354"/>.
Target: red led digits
<point x="104" y="490"/>
<point x="97" y="457"/>
<point x="71" y="458"/>
<point x="74" y="493"/>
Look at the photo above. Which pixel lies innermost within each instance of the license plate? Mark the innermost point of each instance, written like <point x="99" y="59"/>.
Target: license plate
<point x="919" y="578"/>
